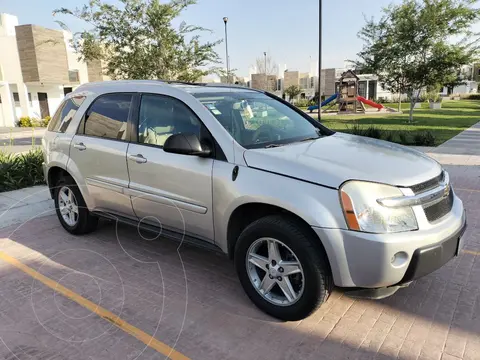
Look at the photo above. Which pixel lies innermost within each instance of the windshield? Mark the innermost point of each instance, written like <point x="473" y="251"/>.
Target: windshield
<point x="256" y="120"/>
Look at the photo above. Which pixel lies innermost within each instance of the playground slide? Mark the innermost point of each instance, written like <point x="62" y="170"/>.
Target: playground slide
<point x="325" y="102"/>
<point x="369" y="102"/>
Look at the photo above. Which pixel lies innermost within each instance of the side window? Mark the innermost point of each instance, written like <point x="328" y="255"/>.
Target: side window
<point x="162" y="116"/>
<point x="65" y="113"/>
<point x="107" y="117"/>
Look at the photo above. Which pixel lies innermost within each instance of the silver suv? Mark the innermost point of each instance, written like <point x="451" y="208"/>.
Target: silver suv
<point x="298" y="207"/>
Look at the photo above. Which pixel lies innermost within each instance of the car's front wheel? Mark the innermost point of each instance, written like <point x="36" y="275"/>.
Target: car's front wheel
<point x="281" y="268"/>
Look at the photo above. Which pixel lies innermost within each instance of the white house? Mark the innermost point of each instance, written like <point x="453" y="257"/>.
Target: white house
<point x="37" y="68"/>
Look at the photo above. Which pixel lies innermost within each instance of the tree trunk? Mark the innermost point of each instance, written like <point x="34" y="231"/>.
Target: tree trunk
<point x="412" y="104"/>
<point x="399" y="102"/>
<point x="413" y="101"/>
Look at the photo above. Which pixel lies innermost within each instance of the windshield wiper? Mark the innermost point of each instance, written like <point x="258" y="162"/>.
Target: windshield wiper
<point x="273" y="146"/>
<point x="310" y="138"/>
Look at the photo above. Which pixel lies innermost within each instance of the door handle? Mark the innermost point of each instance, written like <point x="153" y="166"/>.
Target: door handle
<point x="80" y="146"/>
<point x="139" y="159"/>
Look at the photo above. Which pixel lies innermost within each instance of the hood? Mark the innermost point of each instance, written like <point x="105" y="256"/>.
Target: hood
<point x="332" y="160"/>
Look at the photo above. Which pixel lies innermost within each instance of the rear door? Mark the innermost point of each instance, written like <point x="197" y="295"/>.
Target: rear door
<point x="172" y="191"/>
<point x="98" y="154"/>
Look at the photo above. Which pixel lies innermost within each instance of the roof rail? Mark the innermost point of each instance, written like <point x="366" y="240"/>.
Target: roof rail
<point x="233" y="86"/>
<point x="182" y="82"/>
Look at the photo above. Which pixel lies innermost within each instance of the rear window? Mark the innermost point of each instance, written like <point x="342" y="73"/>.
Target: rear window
<point x="107" y="117"/>
<point x="65" y="113"/>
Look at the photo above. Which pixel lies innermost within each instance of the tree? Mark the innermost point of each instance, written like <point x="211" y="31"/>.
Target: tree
<point x="412" y="46"/>
<point x="456" y="78"/>
<point x="293" y="91"/>
<point x="268" y="67"/>
<point x="137" y="40"/>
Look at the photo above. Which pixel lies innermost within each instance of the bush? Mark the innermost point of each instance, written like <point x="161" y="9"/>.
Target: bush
<point x="20" y="170"/>
<point x="425" y="138"/>
<point x="302" y="103"/>
<point x="473" y="97"/>
<point x="373" y="132"/>
<point x="356" y="129"/>
<point x="25" y="121"/>
<point x="389" y="136"/>
<point x="403" y="137"/>
<point x="45" y="121"/>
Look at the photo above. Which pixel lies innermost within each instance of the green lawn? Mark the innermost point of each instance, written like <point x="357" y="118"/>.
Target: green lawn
<point x="454" y="117"/>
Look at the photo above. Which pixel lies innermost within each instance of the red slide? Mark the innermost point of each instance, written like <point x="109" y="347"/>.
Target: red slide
<point x="369" y="102"/>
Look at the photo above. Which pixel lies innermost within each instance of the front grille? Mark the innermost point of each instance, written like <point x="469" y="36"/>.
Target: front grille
<point x="440" y="209"/>
<point x="427" y="185"/>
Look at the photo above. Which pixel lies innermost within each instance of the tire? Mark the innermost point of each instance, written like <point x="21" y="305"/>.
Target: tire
<point x="305" y="246"/>
<point x="85" y="221"/>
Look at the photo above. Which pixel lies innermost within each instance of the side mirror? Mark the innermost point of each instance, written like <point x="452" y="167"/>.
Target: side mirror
<point x="186" y="144"/>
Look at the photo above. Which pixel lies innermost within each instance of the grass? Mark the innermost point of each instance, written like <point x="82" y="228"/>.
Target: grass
<point x="453" y="118"/>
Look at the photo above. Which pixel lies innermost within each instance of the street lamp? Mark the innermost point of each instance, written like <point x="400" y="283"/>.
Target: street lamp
<point x="319" y="56"/>
<point x="225" y="20"/>
<point x="266" y="76"/>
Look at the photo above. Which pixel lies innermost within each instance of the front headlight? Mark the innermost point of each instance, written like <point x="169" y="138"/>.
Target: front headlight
<point x="363" y="212"/>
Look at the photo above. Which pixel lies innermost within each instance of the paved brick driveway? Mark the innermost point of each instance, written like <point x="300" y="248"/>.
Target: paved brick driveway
<point x="191" y="300"/>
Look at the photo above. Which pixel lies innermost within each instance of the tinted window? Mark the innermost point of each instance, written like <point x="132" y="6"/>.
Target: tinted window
<point x="107" y="117"/>
<point x="65" y="113"/>
<point x="162" y="116"/>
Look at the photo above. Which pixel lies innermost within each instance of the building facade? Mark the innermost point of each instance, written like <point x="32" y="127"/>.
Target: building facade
<point x="37" y="68"/>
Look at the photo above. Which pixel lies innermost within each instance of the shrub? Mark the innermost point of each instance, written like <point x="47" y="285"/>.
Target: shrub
<point x="425" y="138"/>
<point x="373" y="132"/>
<point x="389" y="136"/>
<point x="473" y="97"/>
<point x="20" y="170"/>
<point x="302" y="103"/>
<point x="355" y="129"/>
<point x="403" y="137"/>
<point x="45" y="121"/>
<point x="25" y="121"/>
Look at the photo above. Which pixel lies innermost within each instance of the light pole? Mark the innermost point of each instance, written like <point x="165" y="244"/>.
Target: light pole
<point x="319" y="56"/>
<point x="266" y="76"/>
<point x="227" y="62"/>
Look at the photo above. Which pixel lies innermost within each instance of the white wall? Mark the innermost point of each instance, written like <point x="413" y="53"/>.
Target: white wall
<point x="72" y="58"/>
<point x="54" y="96"/>
<point x="9" y="60"/>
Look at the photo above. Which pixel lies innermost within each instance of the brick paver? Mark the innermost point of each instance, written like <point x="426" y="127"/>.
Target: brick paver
<point x="191" y="300"/>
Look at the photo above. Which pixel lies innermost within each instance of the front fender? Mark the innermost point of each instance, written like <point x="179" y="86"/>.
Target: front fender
<point x="316" y="205"/>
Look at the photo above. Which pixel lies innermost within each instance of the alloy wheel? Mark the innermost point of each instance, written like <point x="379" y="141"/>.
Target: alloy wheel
<point x="68" y="206"/>
<point x="275" y="271"/>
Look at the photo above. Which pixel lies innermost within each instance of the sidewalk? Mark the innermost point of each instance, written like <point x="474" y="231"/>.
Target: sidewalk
<point x="22" y="205"/>
<point x="21" y="132"/>
<point x="463" y="149"/>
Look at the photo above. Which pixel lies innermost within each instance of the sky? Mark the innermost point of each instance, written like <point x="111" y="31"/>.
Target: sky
<point x="285" y="29"/>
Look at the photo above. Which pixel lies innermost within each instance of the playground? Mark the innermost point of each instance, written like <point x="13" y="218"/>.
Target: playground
<point x="348" y="101"/>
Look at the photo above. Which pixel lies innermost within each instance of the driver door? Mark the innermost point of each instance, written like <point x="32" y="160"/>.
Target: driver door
<point x="169" y="190"/>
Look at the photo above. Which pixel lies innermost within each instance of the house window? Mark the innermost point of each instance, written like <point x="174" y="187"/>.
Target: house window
<point x="312" y="82"/>
<point x="16" y="99"/>
<point x="279" y="84"/>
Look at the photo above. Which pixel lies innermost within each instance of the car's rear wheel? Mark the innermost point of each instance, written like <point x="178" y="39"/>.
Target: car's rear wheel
<point x="283" y="271"/>
<point x="71" y="208"/>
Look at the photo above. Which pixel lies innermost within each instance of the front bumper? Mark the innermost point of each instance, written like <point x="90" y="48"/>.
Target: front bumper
<point x="427" y="259"/>
<point x="366" y="260"/>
